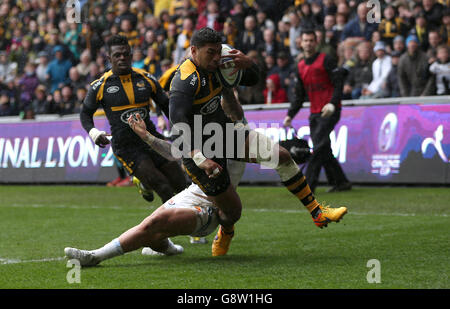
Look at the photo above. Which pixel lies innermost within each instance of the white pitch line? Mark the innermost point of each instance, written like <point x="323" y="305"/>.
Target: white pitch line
<point x="19" y="261"/>
<point x="150" y="207"/>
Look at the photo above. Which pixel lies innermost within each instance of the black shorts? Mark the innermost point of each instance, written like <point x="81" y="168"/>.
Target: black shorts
<point x="131" y="157"/>
<point x="211" y="186"/>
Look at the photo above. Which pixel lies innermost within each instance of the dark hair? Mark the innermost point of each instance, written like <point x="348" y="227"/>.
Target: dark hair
<point x="205" y="36"/>
<point x="309" y="32"/>
<point x="115" y="40"/>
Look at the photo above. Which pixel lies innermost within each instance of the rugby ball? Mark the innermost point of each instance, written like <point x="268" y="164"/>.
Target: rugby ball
<point x="225" y="71"/>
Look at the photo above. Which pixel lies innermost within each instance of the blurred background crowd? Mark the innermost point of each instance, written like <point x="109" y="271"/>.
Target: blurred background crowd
<point x="51" y="50"/>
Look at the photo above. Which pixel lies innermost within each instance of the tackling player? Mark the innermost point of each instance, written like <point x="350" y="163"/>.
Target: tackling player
<point x="194" y="101"/>
<point x="190" y="212"/>
<point x="121" y="92"/>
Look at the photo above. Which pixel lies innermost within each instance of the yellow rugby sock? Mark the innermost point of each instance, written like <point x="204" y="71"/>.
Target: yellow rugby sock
<point x="298" y="186"/>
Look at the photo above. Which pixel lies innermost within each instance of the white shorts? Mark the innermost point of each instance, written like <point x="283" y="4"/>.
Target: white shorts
<point x="193" y="198"/>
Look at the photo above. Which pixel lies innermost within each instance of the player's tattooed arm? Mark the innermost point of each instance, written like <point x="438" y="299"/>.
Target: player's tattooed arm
<point x="162" y="147"/>
<point x="231" y="106"/>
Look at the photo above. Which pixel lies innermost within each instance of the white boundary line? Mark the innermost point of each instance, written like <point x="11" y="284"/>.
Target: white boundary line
<point x="150" y="207"/>
<point x="19" y="261"/>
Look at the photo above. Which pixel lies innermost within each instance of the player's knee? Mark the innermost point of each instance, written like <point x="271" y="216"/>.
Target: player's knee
<point x="154" y="225"/>
<point x="284" y="155"/>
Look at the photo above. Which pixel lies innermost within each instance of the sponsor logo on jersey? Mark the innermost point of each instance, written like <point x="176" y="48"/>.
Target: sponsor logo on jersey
<point x="96" y="84"/>
<point x="211" y="106"/>
<point x="140" y="84"/>
<point x="112" y="89"/>
<point x="125" y="115"/>
<point x="193" y="80"/>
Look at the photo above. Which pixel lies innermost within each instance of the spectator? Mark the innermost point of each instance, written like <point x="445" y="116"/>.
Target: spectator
<point x="237" y="14"/>
<point x="211" y="17"/>
<point x="251" y="37"/>
<point x="138" y="58"/>
<point x="124" y="13"/>
<point x="84" y="67"/>
<point x="360" y="75"/>
<point x="80" y="95"/>
<point x="284" y="69"/>
<point x="94" y="73"/>
<point x="269" y="44"/>
<point x="359" y="27"/>
<point x="28" y="84"/>
<point x="413" y="69"/>
<point x="152" y="63"/>
<point x="341" y="21"/>
<point x="5" y="106"/>
<point x="329" y="7"/>
<point x="274" y="93"/>
<point x="263" y="22"/>
<point x="391" y="26"/>
<point x="67" y="104"/>
<point x="323" y="46"/>
<point x="41" y="69"/>
<point x="306" y="16"/>
<point x="127" y="30"/>
<point x="58" y="69"/>
<point x="75" y="79"/>
<point x="294" y="32"/>
<point x="391" y="85"/>
<point x="40" y="103"/>
<point x="441" y="69"/>
<point x="433" y="13"/>
<point x="420" y="30"/>
<point x="380" y="70"/>
<point x="445" y="27"/>
<point x="183" y="40"/>
<point x="270" y="64"/>
<point x="399" y="44"/>
<point x="230" y="33"/>
<point x="282" y="35"/>
<point x="254" y="94"/>
<point x="434" y="40"/>
<point x="8" y="69"/>
<point x="331" y="36"/>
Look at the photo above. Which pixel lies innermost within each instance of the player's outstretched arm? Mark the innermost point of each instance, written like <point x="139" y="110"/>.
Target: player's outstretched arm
<point x="162" y="147"/>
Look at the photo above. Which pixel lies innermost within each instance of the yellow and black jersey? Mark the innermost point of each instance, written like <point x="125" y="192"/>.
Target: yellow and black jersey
<point x="167" y="77"/>
<point x="196" y="92"/>
<point x="120" y="96"/>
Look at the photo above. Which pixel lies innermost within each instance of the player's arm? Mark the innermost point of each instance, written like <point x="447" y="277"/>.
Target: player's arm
<point x="243" y="62"/>
<point x="88" y="109"/>
<point x="297" y="103"/>
<point x="162" y="147"/>
<point x="231" y="106"/>
<point x="337" y="79"/>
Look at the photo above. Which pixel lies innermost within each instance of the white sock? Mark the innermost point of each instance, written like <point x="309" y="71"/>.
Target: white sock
<point x="287" y="170"/>
<point x="171" y="249"/>
<point x="110" y="250"/>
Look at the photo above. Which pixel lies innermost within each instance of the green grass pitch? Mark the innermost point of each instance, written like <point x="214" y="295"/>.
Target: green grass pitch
<point x="276" y="245"/>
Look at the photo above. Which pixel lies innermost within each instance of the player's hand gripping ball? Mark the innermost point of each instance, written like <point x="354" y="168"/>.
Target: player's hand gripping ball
<point x="228" y="75"/>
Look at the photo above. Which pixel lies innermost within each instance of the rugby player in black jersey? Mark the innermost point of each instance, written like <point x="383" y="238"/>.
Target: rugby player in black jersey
<point x="194" y="102"/>
<point x="123" y="91"/>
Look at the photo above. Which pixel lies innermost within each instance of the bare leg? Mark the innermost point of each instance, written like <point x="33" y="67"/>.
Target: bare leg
<point x="154" y="230"/>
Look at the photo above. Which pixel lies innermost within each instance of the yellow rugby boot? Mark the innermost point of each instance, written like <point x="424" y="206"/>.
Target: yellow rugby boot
<point x="221" y="242"/>
<point x="326" y="214"/>
<point x="146" y="194"/>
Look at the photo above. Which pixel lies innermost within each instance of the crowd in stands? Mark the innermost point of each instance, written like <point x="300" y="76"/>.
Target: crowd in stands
<point x="51" y="50"/>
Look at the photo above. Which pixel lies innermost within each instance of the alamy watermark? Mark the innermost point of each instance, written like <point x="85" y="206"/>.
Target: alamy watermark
<point x="73" y="11"/>
<point x="374" y="274"/>
<point x="374" y="14"/>
<point x="74" y="274"/>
